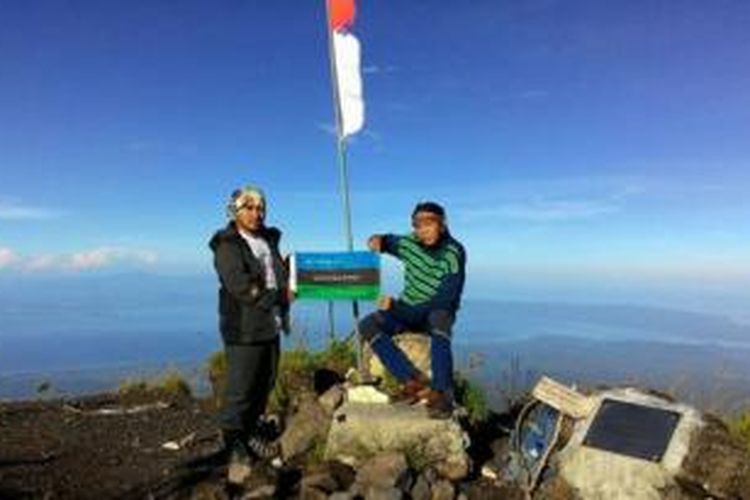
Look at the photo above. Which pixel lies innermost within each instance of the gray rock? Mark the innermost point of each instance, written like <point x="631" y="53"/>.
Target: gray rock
<point x="322" y="481"/>
<point x="265" y="491"/>
<point x="359" y="431"/>
<point x="309" y="423"/>
<point x="416" y="346"/>
<point x="332" y="398"/>
<point x="431" y="475"/>
<point x="383" y="493"/>
<point x="342" y="473"/>
<point x="341" y="495"/>
<point x="443" y="490"/>
<point x="452" y="469"/>
<point x="385" y="470"/>
<point x="421" y="489"/>
<point x="596" y="474"/>
<point x="312" y="493"/>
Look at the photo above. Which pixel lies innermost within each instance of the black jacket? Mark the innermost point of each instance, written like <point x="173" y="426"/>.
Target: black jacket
<point x="246" y="306"/>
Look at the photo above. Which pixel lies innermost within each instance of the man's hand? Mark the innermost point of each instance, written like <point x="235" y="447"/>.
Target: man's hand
<point x="291" y="296"/>
<point x="385" y="302"/>
<point x="375" y="243"/>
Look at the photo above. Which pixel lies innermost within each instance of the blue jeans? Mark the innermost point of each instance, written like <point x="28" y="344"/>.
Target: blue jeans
<point x="379" y="327"/>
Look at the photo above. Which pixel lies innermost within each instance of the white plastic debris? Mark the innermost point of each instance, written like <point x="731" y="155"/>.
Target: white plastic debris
<point x="171" y="446"/>
<point x="366" y="394"/>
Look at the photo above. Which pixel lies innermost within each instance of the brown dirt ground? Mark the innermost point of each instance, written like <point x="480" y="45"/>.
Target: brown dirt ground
<point x="64" y="449"/>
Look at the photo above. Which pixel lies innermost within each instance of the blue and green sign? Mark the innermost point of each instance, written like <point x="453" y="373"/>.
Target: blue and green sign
<point x="336" y="275"/>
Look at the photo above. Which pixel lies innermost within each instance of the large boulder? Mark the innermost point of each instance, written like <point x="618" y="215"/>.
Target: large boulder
<point x="416" y="346"/>
<point x="307" y="425"/>
<point x="360" y="431"/>
<point x="700" y="460"/>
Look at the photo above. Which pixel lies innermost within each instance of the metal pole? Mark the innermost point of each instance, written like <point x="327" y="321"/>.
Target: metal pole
<point x="331" y="324"/>
<point x="343" y="172"/>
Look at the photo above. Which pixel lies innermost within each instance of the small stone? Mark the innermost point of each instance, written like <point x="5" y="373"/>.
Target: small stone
<point x="421" y="489"/>
<point x="443" y="490"/>
<point x="453" y="470"/>
<point x="430" y="475"/>
<point x="489" y="472"/>
<point x="171" y="446"/>
<point x="344" y="474"/>
<point x="341" y="495"/>
<point x="312" y="493"/>
<point x="383" y="493"/>
<point x="266" y="491"/>
<point x="385" y="470"/>
<point x="321" y="481"/>
<point x="332" y="398"/>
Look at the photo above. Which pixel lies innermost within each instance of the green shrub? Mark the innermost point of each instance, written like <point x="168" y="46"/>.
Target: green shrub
<point x="174" y="384"/>
<point x="169" y="384"/>
<point x="340" y="355"/>
<point x="471" y="397"/>
<point x="740" y="427"/>
<point x="43" y="387"/>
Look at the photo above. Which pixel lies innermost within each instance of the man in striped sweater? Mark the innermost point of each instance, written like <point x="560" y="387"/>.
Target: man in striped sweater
<point x="434" y="266"/>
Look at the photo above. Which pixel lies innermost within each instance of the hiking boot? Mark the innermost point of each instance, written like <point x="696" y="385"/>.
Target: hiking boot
<point x="439" y="405"/>
<point x="267" y="428"/>
<point x="411" y="390"/>
<point x="240" y="465"/>
<point x="262" y="447"/>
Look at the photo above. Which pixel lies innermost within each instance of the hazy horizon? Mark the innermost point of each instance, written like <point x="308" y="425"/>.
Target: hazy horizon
<point x="88" y="334"/>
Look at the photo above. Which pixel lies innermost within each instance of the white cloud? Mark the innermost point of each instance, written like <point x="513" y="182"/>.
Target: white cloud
<point x="41" y="263"/>
<point x="16" y="211"/>
<point x="545" y="210"/>
<point x="107" y="256"/>
<point x="97" y="258"/>
<point x="7" y="257"/>
<point x="549" y="200"/>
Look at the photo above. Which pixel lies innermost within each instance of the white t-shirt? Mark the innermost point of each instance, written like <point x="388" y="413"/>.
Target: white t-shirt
<point x="262" y="252"/>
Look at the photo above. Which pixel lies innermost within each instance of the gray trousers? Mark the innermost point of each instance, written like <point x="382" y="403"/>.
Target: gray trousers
<point x="251" y="375"/>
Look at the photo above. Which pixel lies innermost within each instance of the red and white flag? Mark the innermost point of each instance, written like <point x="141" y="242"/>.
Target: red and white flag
<point x="347" y="62"/>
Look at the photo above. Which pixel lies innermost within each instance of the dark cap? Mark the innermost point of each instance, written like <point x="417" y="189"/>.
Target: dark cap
<point x="431" y="207"/>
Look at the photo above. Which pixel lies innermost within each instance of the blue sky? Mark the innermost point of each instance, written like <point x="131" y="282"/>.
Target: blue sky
<point x="577" y="145"/>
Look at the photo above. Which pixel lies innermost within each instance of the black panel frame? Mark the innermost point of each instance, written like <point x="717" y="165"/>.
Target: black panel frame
<point x="632" y="429"/>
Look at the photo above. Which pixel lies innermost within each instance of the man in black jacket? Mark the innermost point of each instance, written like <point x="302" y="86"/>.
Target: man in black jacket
<point x="253" y="308"/>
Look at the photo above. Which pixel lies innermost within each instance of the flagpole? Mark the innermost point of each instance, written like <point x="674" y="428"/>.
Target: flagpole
<point x="343" y="170"/>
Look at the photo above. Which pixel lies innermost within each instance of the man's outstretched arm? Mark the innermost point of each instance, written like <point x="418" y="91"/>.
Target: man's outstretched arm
<point x="384" y="243"/>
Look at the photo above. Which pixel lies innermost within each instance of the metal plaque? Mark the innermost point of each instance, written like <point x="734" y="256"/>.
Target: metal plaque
<point x="632" y="429"/>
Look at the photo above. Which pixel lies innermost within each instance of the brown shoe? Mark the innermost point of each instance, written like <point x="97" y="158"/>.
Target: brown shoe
<point x="439" y="405"/>
<point x="411" y="390"/>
